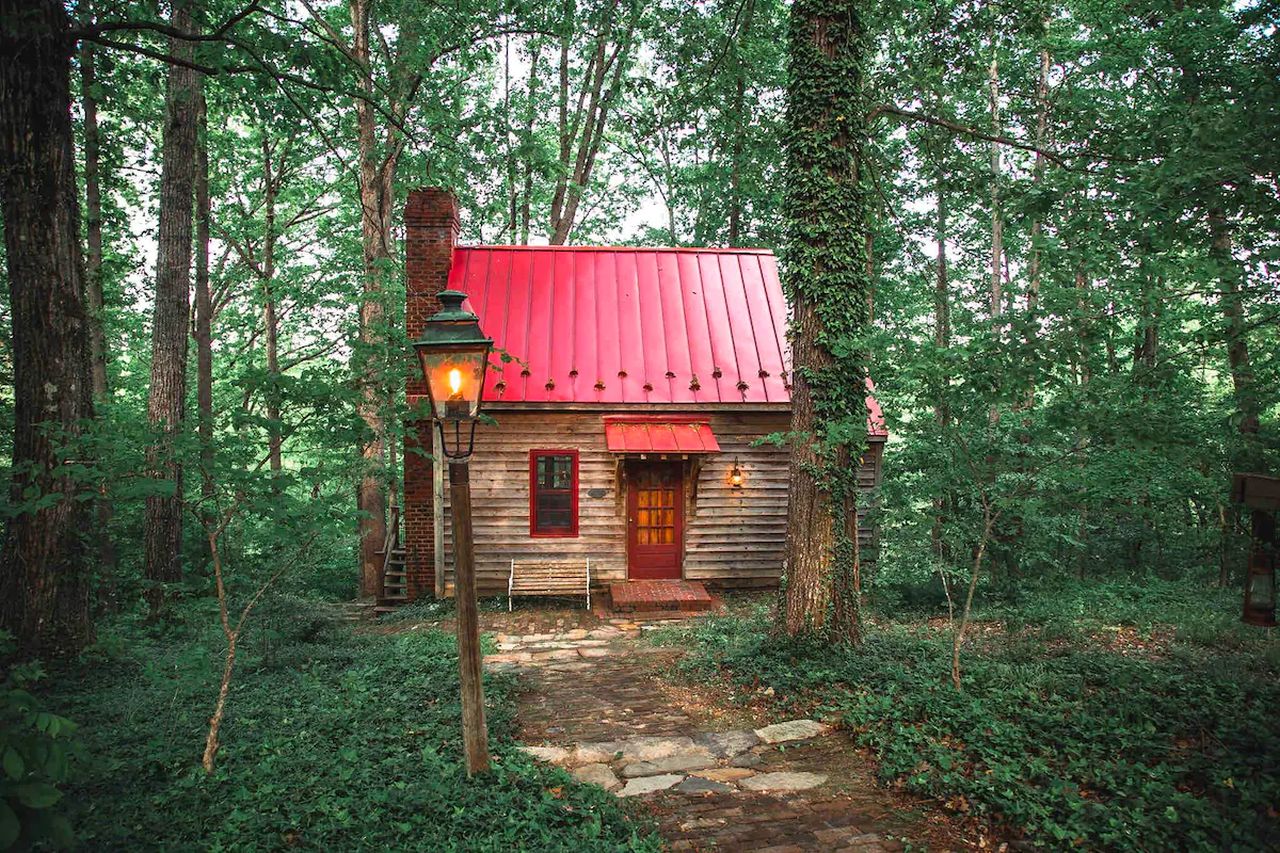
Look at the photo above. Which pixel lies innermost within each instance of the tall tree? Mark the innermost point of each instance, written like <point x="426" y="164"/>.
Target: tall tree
<point x="166" y="404"/>
<point x="203" y="325"/>
<point x="377" y="197"/>
<point x="93" y="265"/>
<point x="44" y="573"/>
<point x="93" y="214"/>
<point x="824" y="275"/>
<point x="582" y="126"/>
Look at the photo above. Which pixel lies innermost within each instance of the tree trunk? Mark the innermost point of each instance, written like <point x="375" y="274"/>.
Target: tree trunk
<point x="166" y="406"/>
<point x="587" y="124"/>
<point x="375" y="232"/>
<point x="93" y="219"/>
<point x="810" y="519"/>
<point x="997" y="213"/>
<point x="204" y="313"/>
<point x="1037" y="225"/>
<point x="942" y="339"/>
<point x="93" y="273"/>
<point x="1232" y="301"/>
<point x="526" y="198"/>
<point x="827" y="285"/>
<point x="740" y="124"/>
<point x="270" y="324"/>
<point x="44" y="576"/>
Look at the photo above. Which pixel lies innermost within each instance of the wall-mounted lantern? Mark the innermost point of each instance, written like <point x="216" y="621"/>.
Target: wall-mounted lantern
<point x="735" y="477"/>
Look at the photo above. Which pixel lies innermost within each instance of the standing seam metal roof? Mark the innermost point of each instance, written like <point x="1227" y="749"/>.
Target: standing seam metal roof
<point x="631" y="325"/>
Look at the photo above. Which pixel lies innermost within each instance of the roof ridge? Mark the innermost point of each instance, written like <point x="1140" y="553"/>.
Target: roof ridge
<point x="720" y="250"/>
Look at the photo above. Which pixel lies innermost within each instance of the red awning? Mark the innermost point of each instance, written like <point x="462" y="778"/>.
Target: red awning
<point x="659" y="434"/>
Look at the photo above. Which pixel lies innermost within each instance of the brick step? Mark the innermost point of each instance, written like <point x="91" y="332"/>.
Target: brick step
<point x="664" y="596"/>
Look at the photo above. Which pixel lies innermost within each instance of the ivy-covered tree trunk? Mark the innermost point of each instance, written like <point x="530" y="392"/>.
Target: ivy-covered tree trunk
<point x="824" y="275"/>
<point x="166" y="404"/>
<point x="44" y="576"/>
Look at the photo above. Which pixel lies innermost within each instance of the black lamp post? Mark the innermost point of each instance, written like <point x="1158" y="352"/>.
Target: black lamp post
<point x="455" y="355"/>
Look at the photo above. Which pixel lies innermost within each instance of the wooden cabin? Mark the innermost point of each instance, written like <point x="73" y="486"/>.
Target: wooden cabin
<point x="628" y="428"/>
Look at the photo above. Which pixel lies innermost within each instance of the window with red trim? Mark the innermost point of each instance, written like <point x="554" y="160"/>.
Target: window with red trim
<point x="553" y="493"/>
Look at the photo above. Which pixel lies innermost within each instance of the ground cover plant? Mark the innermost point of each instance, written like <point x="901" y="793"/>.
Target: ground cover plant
<point x="1142" y="719"/>
<point x="335" y="740"/>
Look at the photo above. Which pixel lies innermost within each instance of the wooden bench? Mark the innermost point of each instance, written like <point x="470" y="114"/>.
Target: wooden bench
<point x="549" y="578"/>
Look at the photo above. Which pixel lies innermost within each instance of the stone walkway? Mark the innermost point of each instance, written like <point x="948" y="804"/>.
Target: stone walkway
<point x="597" y="704"/>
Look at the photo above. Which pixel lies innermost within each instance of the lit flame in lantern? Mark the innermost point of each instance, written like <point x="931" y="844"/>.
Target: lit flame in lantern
<point x="455" y="380"/>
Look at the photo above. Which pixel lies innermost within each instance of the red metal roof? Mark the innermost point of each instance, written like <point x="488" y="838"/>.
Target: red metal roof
<point x="617" y="325"/>
<point x="658" y="434"/>
<point x="627" y="325"/>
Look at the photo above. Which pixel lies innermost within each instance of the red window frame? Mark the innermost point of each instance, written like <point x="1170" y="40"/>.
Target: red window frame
<point x="560" y="533"/>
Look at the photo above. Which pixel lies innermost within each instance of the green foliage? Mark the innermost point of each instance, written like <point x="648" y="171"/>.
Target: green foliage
<point x="37" y="748"/>
<point x="1162" y="745"/>
<point x="333" y="740"/>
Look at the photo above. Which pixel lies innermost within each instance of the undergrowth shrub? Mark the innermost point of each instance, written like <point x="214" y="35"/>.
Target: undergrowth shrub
<point x="334" y="740"/>
<point x="1061" y="739"/>
<point x="36" y="749"/>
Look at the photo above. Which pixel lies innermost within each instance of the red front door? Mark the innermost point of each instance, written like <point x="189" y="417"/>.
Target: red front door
<point x="655" y="520"/>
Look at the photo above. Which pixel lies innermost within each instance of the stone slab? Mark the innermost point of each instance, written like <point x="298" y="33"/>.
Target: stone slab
<point x="652" y="747"/>
<point x="550" y="754"/>
<point x="696" y="759"/>
<point x="783" y="781"/>
<point x="698" y="785"/>
<point x="649" y="785"/>
<point x="597" y="774"/>
<point x="595" y="753"/>
<point x="726" y="774"/>
<point x="727" y="744"/>
<point x="791" y="730"/>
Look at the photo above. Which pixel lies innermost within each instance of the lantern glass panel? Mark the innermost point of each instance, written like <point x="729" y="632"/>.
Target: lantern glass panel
<point x="1260" y="591"/>
<point x="456" y="380"/>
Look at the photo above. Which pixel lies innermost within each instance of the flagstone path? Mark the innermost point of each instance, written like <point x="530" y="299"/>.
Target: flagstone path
<point x="596" y="703"/>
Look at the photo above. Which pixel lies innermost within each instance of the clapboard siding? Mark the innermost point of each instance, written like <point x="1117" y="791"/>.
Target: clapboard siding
<point x="500" y="498"/>
<point x="732" y="537"/>
<point x="737" y="533"/>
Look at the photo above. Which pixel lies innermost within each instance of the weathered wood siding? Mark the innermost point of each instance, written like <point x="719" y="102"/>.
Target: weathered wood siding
<point x="732" y="538"/>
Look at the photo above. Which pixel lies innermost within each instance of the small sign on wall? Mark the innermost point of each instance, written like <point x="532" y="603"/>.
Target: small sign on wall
<point x="597" y="493"/>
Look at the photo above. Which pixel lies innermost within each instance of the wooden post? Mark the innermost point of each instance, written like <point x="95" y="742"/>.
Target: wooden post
<point x="475" y="732"/>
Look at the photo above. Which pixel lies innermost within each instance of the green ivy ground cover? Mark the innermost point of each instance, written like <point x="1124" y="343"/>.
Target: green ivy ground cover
<point x="1055" y="735"/>
<point x="333" y="741"/>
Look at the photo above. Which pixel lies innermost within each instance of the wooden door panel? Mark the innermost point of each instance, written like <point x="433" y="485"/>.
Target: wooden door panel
<point x="655" y="502"/>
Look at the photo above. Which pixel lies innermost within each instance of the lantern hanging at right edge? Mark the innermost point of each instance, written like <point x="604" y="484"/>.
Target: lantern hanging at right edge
<point x="1261" y="495"/>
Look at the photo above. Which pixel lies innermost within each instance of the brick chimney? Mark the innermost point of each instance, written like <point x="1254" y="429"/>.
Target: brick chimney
<point x="431" y="231"/>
